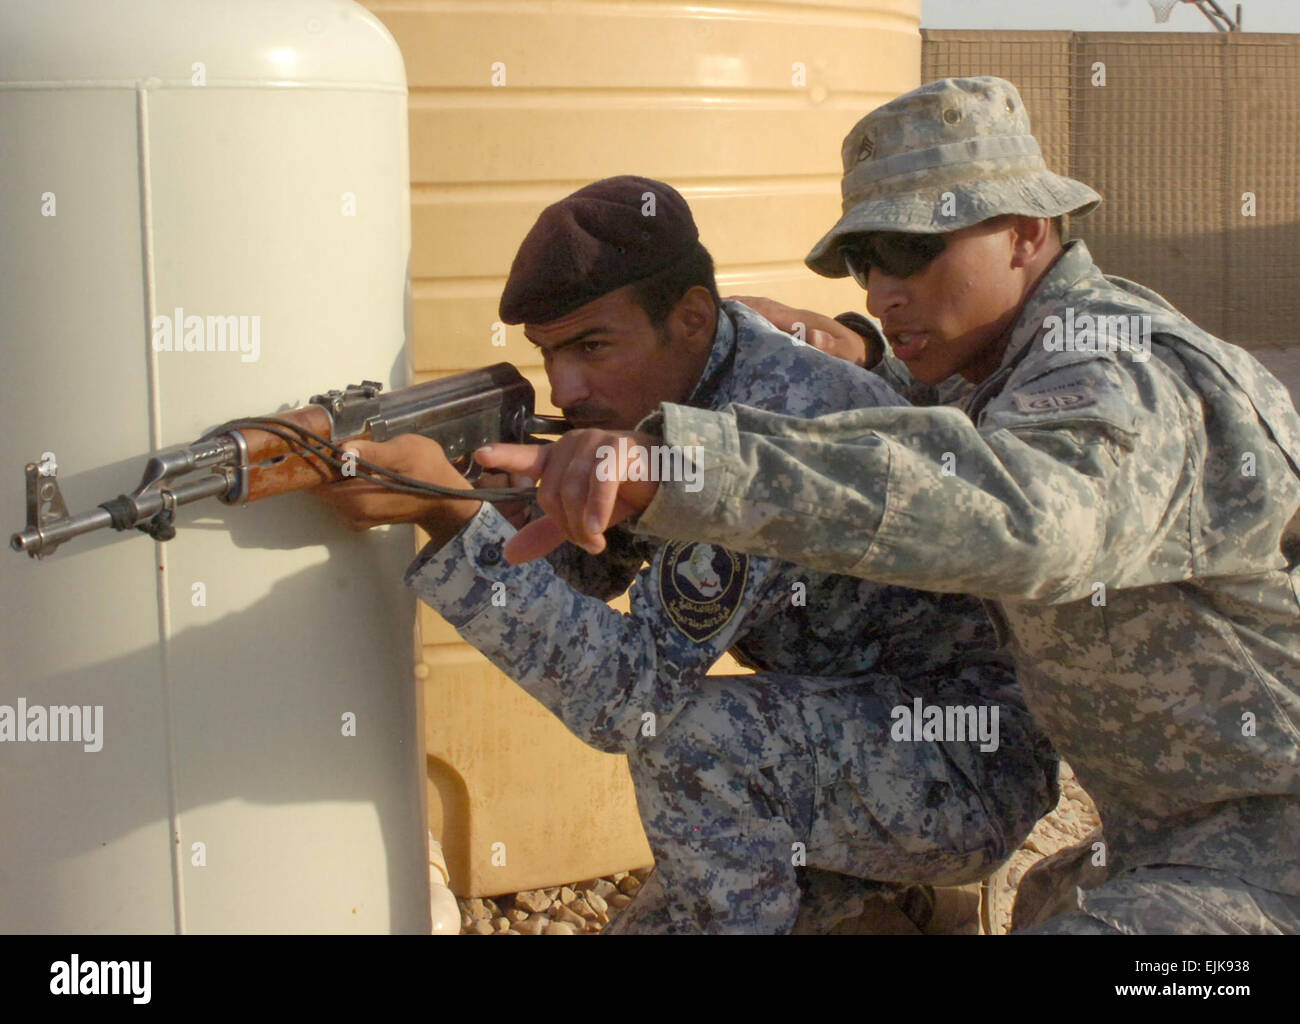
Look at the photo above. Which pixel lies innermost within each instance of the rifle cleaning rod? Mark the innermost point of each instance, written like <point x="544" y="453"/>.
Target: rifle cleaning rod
<point x="34" y="541"/>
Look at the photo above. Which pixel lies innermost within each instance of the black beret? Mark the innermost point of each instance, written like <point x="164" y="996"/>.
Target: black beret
<point x="604" y="236"/>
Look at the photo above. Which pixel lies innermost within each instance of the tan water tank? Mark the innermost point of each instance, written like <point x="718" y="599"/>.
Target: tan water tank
<point x="514" y="105"/>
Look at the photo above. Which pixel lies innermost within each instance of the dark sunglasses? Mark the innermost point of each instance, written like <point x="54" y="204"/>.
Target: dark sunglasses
<point x="894" y="253"/>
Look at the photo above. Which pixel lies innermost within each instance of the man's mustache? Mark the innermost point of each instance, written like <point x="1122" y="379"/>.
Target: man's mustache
<point x="586" y="413"/>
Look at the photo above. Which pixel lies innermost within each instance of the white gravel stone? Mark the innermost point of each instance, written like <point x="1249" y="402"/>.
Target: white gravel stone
<point x="563" y="913"/>
<point x="535" y="925"/>
<point x="535" y="901"/>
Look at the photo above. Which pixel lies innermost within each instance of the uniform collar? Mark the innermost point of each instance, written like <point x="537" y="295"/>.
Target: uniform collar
<point x="717" y="368"/>
<point x="1071" y="267"/>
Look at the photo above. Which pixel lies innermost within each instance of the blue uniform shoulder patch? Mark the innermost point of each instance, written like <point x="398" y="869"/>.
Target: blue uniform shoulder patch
<point x="701" y="586"/>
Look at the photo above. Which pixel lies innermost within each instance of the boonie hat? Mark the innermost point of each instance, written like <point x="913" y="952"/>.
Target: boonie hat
<point x="943" y="157"/>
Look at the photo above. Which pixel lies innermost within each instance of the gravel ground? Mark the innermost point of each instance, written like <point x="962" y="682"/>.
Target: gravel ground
<point x="584" y="908"/>
<point x="580" y="908"/>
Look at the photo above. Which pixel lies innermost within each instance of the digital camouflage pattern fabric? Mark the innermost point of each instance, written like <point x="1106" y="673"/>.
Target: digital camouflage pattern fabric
<point x="942" y="157"/>
<point x="1132" y="521"/>
<point x="742" y="781"/>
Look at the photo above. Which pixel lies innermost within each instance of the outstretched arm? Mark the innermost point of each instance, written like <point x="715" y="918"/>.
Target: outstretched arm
<point x="1031" y="505"/>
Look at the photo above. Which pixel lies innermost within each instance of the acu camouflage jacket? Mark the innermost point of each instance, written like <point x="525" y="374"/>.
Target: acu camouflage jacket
<point x="1132" y="522"/>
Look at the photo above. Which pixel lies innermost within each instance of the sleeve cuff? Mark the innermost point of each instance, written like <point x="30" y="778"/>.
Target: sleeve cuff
<point x="874" y="337"/>
<point x="456" y="579"/>
<point x="709" y="443"/>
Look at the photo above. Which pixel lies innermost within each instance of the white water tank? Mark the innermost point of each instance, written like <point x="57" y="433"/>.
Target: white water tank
<point x="260" y="762"/>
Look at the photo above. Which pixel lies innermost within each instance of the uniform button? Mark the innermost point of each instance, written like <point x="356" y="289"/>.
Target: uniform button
<point x="490" y="555"/>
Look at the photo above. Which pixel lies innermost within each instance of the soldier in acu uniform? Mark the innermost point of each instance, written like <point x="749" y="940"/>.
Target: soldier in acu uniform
<point x="766" y="798"/>
<point x="1126" y="501"/>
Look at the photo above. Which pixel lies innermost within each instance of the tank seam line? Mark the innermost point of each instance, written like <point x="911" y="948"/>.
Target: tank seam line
<point x="155" y="442"/>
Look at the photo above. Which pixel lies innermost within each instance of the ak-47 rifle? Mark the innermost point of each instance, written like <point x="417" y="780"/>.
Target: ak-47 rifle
<point x="258" y="457"/>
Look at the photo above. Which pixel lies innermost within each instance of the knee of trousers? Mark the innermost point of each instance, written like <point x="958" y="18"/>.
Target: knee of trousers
<point x="723" y="771"/>
<point x="732" y="723"/>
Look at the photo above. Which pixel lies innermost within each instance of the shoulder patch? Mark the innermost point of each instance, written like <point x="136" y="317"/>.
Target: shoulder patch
<point x="1061" y="398"/>
<point x="701" y="586"/>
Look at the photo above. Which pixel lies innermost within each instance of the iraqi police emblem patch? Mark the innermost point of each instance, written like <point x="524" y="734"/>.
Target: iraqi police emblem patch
<point x="701" y="586"/>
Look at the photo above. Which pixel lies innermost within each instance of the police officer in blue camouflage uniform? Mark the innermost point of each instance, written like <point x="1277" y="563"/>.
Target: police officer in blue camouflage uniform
<point x="754" y="790"/>
<point x="1123" y="489"/>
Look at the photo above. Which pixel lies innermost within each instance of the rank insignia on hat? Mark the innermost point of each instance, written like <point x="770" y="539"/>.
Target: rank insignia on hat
<point x="865" y="148"/>
<point x="701" y="586"/>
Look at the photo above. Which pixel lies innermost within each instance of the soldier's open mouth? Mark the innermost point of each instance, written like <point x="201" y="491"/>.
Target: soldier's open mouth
<point x="908" y="345"/>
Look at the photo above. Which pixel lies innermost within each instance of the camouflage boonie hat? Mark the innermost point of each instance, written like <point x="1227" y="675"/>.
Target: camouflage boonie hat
<point x="967" y="136"/>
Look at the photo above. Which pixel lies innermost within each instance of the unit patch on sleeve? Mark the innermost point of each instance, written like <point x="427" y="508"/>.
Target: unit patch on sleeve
<point x="1062" y="398"/>
<point x="701" y="586"/>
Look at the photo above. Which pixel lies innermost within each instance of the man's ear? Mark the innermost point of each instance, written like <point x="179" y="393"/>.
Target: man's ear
<point x="696" y="315"/>
<point x="1032" y="238"/>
